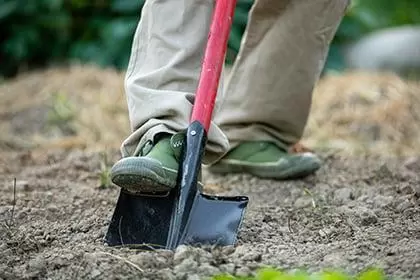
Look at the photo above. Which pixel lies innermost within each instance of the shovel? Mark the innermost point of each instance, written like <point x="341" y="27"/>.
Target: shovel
<point x="186" y="215"/>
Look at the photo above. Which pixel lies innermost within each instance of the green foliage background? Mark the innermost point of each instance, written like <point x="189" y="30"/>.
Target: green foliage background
<point x="44" y="32"/>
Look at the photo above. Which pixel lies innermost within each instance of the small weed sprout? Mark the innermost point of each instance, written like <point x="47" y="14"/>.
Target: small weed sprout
<point x="308" y="192"/>
<point x="105" y="172"/>
<point x="11" y="221"/>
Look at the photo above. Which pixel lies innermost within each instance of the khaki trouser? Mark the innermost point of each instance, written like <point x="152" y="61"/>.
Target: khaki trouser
<point x="268" y="96"/>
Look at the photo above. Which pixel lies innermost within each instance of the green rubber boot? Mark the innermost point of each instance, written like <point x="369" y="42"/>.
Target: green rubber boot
<point x="266" y="160"/>
<point x="154" y="171"/>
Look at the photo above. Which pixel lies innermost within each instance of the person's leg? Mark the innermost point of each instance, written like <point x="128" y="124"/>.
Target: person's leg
<point x="268" y="96"/>
<point x="160" y="83"/>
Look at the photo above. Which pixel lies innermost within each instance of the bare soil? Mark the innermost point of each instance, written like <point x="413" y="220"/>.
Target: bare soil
<point x="354" y="213"/>
<point x="361" y="209"/>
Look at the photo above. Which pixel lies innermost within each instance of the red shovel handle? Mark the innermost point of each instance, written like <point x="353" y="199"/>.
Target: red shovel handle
<point x="213" y="61"/>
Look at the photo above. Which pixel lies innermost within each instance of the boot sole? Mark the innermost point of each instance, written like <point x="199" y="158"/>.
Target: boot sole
<point x="139" y="176"/>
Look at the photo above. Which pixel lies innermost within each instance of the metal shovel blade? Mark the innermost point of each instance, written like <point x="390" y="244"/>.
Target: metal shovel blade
<point x="144" y="222"/>
<point x="215" y="220"/>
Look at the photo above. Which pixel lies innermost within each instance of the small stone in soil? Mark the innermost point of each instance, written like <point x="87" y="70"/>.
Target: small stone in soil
<point x="37" y="263"/>
<point x="243" y="271"/>
<point x="186" y="266"/>
<point x="343" y="195"/>
<point x="95" y="273"/>
<point x="181" y="253"/>
<point x="208" y="270"/>
<point x="303" y="202"/>
<point x="227" y="268"/>
<point x="193" y="277"/>
<point x="367" y="216"/>
<point x="333" y="260"/>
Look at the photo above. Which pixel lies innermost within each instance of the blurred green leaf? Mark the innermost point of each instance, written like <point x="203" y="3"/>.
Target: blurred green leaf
<point x="118" y="29"/>
<point x="373" y="274"/>
<point x="270" y="274"/>
<point x="86" y="51"/>
<point x="335" y="60"/>
<point x="7" y="8"/>
<point x="19" y="46"/>
<point x="127" y="6"/>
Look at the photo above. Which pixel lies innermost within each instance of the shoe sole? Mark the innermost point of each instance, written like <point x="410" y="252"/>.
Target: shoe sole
<point x="279" y="171"/>
<point x="143" y="176"/>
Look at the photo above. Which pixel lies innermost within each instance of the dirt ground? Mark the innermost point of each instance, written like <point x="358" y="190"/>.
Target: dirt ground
<point x="357" y="211"/>
<point x="353" y="214"/>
